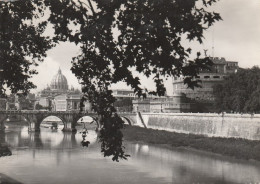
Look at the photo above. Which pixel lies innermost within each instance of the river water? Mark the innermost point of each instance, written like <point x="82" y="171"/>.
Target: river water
<point x="57" y="157"/>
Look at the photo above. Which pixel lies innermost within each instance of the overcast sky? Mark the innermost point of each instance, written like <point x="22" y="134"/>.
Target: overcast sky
<point x="236" y="38"/>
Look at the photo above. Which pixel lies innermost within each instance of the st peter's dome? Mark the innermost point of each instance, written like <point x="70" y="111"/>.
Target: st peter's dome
<point x="59" y="82"/>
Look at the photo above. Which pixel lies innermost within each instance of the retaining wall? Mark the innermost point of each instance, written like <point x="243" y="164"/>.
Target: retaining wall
<point x="218" y="125"/>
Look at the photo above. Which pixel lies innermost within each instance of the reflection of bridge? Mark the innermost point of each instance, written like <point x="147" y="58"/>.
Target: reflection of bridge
<point x="68" y="118"/>
<point x="46" y="139"/>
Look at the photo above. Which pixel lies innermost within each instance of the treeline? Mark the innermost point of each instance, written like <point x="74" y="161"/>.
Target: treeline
<point x="26" y="102"/>
<point x="240" y="92"/>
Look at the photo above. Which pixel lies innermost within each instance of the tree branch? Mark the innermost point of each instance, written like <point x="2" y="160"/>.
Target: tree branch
<point x="91" y="7"/>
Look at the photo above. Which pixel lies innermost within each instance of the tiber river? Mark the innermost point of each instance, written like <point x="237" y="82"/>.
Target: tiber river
<point x="57" y="157"/>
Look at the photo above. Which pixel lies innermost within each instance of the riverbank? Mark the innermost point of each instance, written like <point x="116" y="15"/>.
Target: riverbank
<point x="238" y="148"/>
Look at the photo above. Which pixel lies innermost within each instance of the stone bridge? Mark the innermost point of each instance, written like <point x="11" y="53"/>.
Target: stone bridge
<point x="68" y="118"/>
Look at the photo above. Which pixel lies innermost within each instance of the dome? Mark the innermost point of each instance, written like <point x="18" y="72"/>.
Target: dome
<point x="59" y="82"/>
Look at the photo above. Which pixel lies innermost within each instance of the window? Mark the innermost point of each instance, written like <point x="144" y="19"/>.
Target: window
<point x="206" y="77"/>
<point x="216" y="77"/>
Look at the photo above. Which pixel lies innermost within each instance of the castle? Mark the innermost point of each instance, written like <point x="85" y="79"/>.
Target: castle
<point x="203" y="97"/>
<point x="185" y="99"/>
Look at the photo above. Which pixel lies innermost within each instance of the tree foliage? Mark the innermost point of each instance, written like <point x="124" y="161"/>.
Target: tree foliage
<point x="148" y="40"/>
<point x="39" y="107"/>
<point x="21" y="44"/>
<point x="240" y="92"/>
<point x="117" y="37"/>
<point x="125" y="104"/>
<point x="25" y="103"/>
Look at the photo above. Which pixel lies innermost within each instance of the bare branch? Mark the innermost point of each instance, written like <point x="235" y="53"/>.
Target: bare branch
<point x="91" y="6"/>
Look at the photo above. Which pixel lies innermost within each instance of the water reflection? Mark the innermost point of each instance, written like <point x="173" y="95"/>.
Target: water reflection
<point x="187" y="166"/>
<point x="52" y="122"/>
<point x="58" y="157"/>
<point x="46" y="138"/>
<point x="4" y="149"/>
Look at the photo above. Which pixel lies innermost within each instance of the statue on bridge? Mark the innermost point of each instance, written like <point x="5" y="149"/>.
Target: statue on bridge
<point x="53" y="105"/>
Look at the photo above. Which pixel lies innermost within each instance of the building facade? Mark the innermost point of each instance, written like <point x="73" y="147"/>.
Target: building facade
<point x="58" y="97"/>
<point x="177" y="103"/>
<point x="204" y="96"/>
<point x="59" y="103"/>
<point x="69" y="102"/>
<point x="185" y="99"/>
<point x="123" y="93"/>
<point x="141" y="105"/>
<point x="170" y="104"/>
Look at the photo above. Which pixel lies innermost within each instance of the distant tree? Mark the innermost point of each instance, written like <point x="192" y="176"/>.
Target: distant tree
<point x="12" y="107"/>
<point x="2" y="104"/>
<point x="117" y="37"/>
<point x="25" y="103"/>
<point x="253" y="103"/>
<point x="11" y="98"/>
<point x="240" y="92"/>
<point x="39" y="106"/>
<point x="124" y="104"/>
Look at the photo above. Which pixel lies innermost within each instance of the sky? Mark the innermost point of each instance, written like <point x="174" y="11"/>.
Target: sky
<point x="236" y="38"/>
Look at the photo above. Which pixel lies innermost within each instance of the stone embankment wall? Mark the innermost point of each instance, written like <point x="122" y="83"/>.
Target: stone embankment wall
<point x="244" y="126"/>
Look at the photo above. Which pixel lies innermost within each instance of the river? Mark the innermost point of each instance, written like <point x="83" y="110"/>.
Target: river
<point x="58" y="157"/>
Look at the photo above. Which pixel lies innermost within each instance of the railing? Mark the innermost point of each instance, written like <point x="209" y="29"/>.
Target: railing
<point x="38" y="111"/>
<point x="21" y="112"/>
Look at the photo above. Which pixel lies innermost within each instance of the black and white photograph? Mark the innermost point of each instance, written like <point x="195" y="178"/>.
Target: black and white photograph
<point x="129" y="91"/>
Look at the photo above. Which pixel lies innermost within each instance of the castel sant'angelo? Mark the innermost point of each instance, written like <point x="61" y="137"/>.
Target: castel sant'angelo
<point x="203" y="96"/>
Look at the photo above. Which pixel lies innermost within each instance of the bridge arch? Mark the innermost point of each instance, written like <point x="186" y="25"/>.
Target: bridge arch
<point x="41" y="119"/>
<point x="95" y="120"/>
<point x="127" y="119"/>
